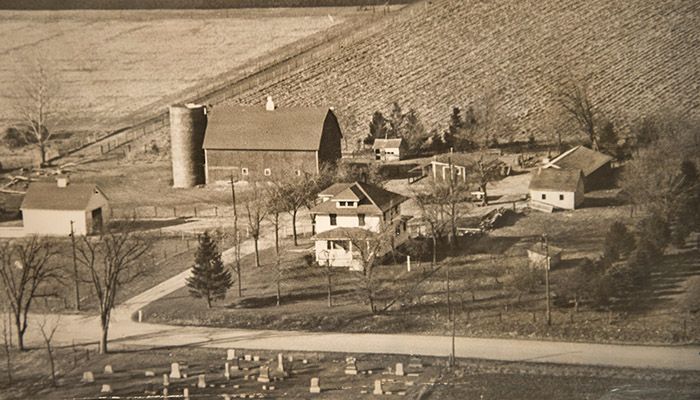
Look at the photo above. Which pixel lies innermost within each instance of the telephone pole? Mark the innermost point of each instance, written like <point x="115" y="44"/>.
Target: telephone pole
<point x="75" y="269"/>
<point x="237" y="237"/>
<point x="545" y="241"/>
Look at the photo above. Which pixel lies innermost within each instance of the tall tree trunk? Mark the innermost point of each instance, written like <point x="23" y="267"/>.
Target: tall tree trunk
<point x="277" y="235"/>
<point x="238" y="273"/>
<point x="257" y="254"/>
<point x="49" y="352"/>
<point x="485" y="200"/>
<point x="294" y="227"/>
<point x="104" y="323"/>
<point x="21" y="328"/>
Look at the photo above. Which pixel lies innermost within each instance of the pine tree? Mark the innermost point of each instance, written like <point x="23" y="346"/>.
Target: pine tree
<point x="209" y="280"/>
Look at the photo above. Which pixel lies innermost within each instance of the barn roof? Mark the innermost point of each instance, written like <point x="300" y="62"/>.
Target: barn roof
<point x="372" y="199"/>
<point x="555" y="179"/>
<point x="48" y="196"/>
<point x="582" y="158"/>
<point x="251" y="128"/>
<point x="386" y="143"/>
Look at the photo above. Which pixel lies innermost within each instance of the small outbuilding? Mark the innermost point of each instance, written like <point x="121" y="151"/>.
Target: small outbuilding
<point x="560" y="188"/>
<point x="51" y="208"/>
<point x="537" y="256"/>
<point x="596" y="166"/>
<point x="389" y="149"/>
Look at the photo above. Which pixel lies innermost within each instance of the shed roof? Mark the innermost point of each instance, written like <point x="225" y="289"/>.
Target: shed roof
<point x="387" y="143"/>
<point x="48" y="196"/>
<point x="252" y="128"/>
<point x="555" y="179"/>
<point x="581" y="158"/>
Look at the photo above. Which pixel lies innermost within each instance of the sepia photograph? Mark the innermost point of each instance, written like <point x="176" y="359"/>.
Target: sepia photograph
<point x="350" y="199"/>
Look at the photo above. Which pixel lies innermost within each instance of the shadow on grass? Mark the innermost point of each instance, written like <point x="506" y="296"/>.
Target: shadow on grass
<point x="271" y="301"/>
<point x="146" y="224"/>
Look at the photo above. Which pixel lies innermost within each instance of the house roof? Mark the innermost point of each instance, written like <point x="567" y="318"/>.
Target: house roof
<point x="48" y="196"/>
<point x="345" y="233"/>
<point x="252" y="128"/>
<point x="387" y="143"/>
<point x="372" y="199"/>
<point x="555" y="179"/>
<point x="333" y="189"/>
<point x="582" y="158"/>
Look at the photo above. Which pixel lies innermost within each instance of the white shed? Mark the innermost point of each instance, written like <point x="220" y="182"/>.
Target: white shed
<point x="559" y="188"/>
<point x="49" y="208"/>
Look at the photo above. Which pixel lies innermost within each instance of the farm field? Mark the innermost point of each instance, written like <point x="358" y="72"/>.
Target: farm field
<point x="112" y="64"/>
<point x="469" y="379"/>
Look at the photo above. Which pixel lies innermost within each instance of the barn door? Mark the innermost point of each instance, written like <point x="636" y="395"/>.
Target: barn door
<point x="97" y="220"/>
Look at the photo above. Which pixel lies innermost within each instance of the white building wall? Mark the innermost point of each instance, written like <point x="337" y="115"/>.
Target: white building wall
<point x="54" y="222"/>
<point x="553" y="197"/>
<point x="323" y="222"/>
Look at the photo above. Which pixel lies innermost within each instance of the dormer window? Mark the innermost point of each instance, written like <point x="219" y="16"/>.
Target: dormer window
<point x="346" y="203"/>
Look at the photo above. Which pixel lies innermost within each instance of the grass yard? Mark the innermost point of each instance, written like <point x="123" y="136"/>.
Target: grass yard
<point x="111" y="64"/>
<point x="470" y="379"/>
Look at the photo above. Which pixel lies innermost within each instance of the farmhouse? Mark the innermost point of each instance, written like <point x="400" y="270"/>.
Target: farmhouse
<point x="353" y="213"/>
<point x="596" y="166"/>
<point x="389" y="149"/>
<point x="250" y="143"/>
<point x="49" y="208"/>
<point x="560" y="188"/>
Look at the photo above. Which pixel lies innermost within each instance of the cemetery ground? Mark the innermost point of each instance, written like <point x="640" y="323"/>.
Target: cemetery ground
<point x="139" y="372"/>
<point x="486" y="299"/>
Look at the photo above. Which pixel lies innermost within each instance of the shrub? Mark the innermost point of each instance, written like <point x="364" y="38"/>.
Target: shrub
<point x="619" y="242"/>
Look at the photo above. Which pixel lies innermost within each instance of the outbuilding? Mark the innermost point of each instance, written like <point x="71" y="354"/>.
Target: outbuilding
<point x="389" y="149"/>
<point x="54" y="209"/>
<point x="596" y="166"/>
<point x="560" y="188"/>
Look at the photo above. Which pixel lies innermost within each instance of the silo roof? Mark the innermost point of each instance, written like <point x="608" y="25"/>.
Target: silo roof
<point x="252" y="128"/>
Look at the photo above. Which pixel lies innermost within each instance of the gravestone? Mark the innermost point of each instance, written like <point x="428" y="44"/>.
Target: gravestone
<point x="256" y="358"/>
<point x="315" y="386"/>
<point x="227" y="371"/>
<point x="378" y="387"/>
<point x="264" y="374"/>
<point x="165" y="393"/>
<point x="175" y="371"/>
<point x="108" y="369"/>
<point x="149" y="374"/>
<point x="399" y="369"/>
<point x="225" y="397"/>
<point x="248" y="357"/>
<point x="106" y="388"/>
<point x="88" y="377"/>
<point x="186" y="394"/>
<point x="280" y="362"/>
<point x="230" y="354"/>
<point x="166" y="380"/>
<point x="201" y="381"/>
<point x="351" y="366"/>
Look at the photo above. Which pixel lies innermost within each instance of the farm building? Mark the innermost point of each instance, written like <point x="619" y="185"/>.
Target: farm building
<point x="461" y="164"/>
<point x="351" y="213"/>
<point x="389" y="149"/>
<point x="537" y="255"/>
<point x="596" y="166"/>
<point x="250" y="143"/>
<point x="49" y="208"/>
<point x="560" y="188"/>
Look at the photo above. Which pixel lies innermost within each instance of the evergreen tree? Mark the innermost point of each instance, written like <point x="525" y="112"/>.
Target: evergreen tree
<point x="209" y="280"/>
<point x="378" y="128"/>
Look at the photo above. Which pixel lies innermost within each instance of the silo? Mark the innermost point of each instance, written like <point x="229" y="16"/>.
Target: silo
<point x="187" y="126"/>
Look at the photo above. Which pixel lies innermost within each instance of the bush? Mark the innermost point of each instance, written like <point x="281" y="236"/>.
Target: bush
<point x="619" y="242"/>
<point x="654" y="229"/>
<point x="14" y="138"/>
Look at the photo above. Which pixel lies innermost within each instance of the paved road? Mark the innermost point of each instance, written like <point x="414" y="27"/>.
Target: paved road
<point x="127" y="333"/>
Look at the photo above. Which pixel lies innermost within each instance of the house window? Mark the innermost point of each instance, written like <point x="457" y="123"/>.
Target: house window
<point x="361" y="219"/>
<point x="561" y="197"/>
<point x="341" y="203"/>
<point x="244" y="171"/>
<point x="398" y="229"/>
<point x="329" y="245"/>
<point x="544" y="196"/>
<point x="334" y="219"/>
<point x="267" y="172"/>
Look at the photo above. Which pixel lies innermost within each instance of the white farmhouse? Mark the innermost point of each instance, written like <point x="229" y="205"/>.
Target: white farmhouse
<point x="352" y="212"/>
<point x="560" y="188"/>
<point x="49" y="208"/>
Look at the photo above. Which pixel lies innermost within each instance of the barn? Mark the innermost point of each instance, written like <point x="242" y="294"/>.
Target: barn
<point x="251" y="143"/>
<point x="596" y="166"/>
<point x="49" y="208"/>
<point x="560" y="188"/>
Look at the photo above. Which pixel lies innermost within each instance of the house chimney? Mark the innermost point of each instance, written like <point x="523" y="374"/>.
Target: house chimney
<point x="270" y="105"/>
<point x="62" y="181"/>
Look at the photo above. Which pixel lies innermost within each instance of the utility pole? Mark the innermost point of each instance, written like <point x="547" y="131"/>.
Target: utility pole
<point x="453" y="245"/>
<point x="75" y="269"/>
<point x="545" y="241"/>
<point x="237" y="237"/>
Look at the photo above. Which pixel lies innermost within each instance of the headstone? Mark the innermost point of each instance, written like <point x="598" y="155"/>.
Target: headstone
<point x="230" y="354"/>
<point x="399" y="369"/>
<point x="315" y="387"/>
<point x="88" y="377"/>
<point x="305" y="361"/>
<point x="290" y="359"/>
<point x="149" y="373"/>
<point x="280" y="362"/>
<point x="351" y="366"/>
<point x="227" y="371"/>
<point x="166" y="380"/>
<point x="248" y="357"/>
<point x="225" y="397"/>
<point x="108" y="369"/>
<point x="256" y="358"/>
<point x="201" y="381"/>
<point x="264" y="374"/>
<point x="186" y="394"/>
<point x="378" y="387"/>
<point x="165" y="393"/>
<point x="175" y="371"/>
<point x="106" y="388"/>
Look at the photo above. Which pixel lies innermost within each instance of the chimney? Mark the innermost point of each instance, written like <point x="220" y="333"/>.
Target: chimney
<point x="62" y="181"/>
<point x="270" y="105"/>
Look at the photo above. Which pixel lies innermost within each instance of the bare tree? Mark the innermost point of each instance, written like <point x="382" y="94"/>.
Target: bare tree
<point x="112" y="260"/>
<point x="26" y="271"/>
<point x="36" y="105"/>
<point x="256" y="208"/>
<point x="434" y="213"/>
<point x="483" y="172"/>
<point x="293" y="195"/>
<point x="574" y="100"/>
<point x="7" y="346"/>
<point x="47" y="333"/>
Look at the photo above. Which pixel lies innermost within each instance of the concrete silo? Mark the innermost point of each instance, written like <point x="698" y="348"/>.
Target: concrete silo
<point x="187" y="126"/>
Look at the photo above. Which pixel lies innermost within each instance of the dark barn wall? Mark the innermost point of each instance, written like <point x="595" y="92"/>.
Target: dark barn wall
<point x="602" y="178"/>
<point x="221" y="164"/>
<point x="329" y="150"/>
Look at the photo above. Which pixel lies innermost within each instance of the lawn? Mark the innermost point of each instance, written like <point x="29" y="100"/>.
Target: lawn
<point x="469" y="379"/>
